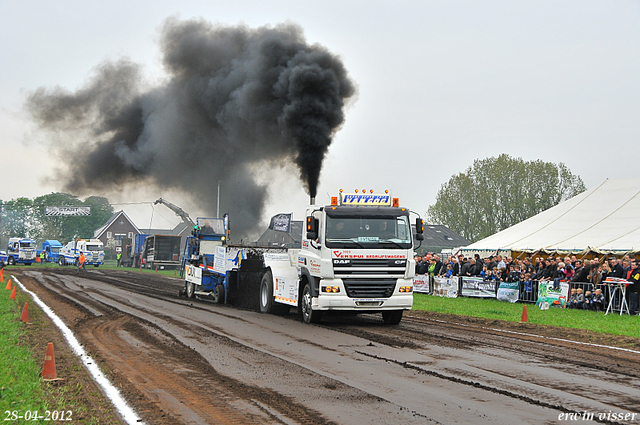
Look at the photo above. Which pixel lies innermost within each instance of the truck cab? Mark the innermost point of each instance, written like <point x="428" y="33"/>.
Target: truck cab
<point x="21" y="250"/>
<point x="204" y="276"/>
<point x="51" y="250"/>
<point x="92" y="249"/>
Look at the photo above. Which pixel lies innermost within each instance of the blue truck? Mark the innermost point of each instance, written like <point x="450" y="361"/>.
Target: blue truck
<point x="51" y="249"/>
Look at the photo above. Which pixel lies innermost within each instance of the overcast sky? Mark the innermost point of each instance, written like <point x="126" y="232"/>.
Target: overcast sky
<point x="440" y="83"/>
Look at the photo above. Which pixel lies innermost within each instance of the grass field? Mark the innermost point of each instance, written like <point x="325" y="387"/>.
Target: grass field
<point x="567" y="318"/>
<point x="20" y="385"/>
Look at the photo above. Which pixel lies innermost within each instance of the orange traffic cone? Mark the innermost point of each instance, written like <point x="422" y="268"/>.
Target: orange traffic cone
<point x="9" y="285"/>
<point x="25" y="314"/>
<point x="13" y="294"/>
<point x="49" y="369"/>
<point x="525" y="317"/>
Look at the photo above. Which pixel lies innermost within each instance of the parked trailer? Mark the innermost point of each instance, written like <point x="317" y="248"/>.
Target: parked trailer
<point x="21" y="250"/>
<point x="356" y="256"/>
<point x="161" y="252"/>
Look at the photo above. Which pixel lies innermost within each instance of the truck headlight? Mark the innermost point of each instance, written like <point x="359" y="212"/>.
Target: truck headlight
<point x="331" y="289"/>
<point x="406" y="289"/>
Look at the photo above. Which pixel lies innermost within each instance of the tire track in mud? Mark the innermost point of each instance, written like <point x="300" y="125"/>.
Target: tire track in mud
<point x="183" y="387"/>
<point x="414" y="333"/>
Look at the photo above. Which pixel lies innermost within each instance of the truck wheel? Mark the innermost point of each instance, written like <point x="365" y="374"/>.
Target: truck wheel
<point x="392" y="317"/>
<point x="309" y="315"/>
<point x="190" y="289"/>
<point x="12" y="261"/>
<point x="61" y="261"/>
<point x="218" y="294"/>
<point x="266" y="293"/>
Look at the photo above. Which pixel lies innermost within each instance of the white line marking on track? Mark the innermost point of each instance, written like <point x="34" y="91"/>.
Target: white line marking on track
<point x="112" y="392"/>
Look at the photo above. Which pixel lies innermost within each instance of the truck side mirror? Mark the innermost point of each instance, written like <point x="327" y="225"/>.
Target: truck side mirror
<point x="312" y="228"/>
<point x="419" y="229"/>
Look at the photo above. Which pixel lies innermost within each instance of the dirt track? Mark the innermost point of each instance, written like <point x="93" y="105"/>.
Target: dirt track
<point x="186" y="361"/>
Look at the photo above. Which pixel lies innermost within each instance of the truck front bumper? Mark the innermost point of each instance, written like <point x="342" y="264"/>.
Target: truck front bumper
<point x="341" y="301"/>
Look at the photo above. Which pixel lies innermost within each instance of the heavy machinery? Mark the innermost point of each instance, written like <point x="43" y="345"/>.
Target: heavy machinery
<point x="356" y="256"/>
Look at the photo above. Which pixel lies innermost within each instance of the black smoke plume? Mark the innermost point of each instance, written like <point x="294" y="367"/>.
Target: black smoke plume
<point x="233" y="98"/>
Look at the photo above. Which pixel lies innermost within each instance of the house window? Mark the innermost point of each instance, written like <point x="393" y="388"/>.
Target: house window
<point x="108" y="235"/>
<point x="130" y="235"/>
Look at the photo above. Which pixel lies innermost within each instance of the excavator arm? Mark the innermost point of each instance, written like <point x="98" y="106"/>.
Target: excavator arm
<point x="179" y="212"/>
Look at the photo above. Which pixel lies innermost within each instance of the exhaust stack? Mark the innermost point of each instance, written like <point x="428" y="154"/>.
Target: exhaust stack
<point x="312" y="200"/>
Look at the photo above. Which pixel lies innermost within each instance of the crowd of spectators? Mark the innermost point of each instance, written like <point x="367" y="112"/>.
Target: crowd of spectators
<point x="553" y="269"/>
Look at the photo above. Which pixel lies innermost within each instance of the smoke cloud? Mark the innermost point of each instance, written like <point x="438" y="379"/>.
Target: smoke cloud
<point x="234" y="97"/>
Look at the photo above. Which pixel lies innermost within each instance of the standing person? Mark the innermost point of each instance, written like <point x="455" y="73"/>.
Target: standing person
<point x="633" y="290"/>
<point x="118" y="258"/>
<point x="81" y="263"/>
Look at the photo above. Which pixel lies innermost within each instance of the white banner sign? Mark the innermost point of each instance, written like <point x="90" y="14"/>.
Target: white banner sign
<point x="67" y="211"/>
<point x="421" y="284"/>
<point x="445" y="286"/>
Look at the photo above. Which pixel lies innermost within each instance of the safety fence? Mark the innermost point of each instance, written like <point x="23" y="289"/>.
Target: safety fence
<point x="533" y="291"/>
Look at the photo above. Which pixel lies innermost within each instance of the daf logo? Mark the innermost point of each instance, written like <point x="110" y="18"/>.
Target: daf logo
<point x="341" y="262"/>
<point x="400" y="262"/>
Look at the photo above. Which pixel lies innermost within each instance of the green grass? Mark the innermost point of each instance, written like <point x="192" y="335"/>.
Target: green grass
<point x="490" y="308"/>
<point x="20" y="382"/>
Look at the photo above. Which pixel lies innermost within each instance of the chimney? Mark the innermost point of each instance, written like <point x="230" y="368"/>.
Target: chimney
<point x="312" y="200"/>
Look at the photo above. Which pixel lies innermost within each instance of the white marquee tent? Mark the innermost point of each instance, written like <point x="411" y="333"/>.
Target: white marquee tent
<point x="602" y="219"/>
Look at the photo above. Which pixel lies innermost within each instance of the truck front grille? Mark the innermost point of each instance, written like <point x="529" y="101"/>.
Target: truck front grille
<point x="355" y="268"/>
<point x="365" y="288"/>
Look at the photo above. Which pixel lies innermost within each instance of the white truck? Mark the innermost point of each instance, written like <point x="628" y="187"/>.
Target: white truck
<point x="356" y="256"/>
<point x="21" y="250"/>
<point x="92" y="249"/>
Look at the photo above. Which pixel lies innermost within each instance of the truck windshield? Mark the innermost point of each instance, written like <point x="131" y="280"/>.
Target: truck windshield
<point x="211" y="226"/>
<point x="388" y="232"/>
<point x="27" y="244"/>
<point x="94" y="247"/>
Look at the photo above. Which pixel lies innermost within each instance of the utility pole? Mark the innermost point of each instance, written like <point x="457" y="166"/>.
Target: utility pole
<point x="218" y="207"/>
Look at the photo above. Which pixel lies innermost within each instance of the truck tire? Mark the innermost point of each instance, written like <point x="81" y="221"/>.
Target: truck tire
<point x="308" y="315"/>
<point x="392" y="317"/>
<point x="12" y="261"/>
<point x="218" y="294"/>
<point x="267" y="303"/>
<point x="189" y="289"/>
<point x="266" y="293"/>
<point x="61" y="261"/>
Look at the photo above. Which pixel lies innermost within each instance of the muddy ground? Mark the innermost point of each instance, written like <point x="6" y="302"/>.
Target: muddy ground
<point x="188" y="361"/>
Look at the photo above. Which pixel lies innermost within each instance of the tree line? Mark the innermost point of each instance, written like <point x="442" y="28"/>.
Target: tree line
<point x="24" y="217"/>
<point x="496" y="193"/>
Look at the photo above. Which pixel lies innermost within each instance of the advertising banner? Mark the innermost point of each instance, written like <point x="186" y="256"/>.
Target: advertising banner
<point x="546" y="293"/>
<point x="445" y="286"/>
<point x="509" y="291"/>
<point x="421" y="284"/>
<point x="477" y="287"/>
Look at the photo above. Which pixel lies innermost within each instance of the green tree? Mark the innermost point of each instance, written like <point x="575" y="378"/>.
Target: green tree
<point x="496" y="193"/>
<point x="17" y="219"/>
<point x="23" y="217"/>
